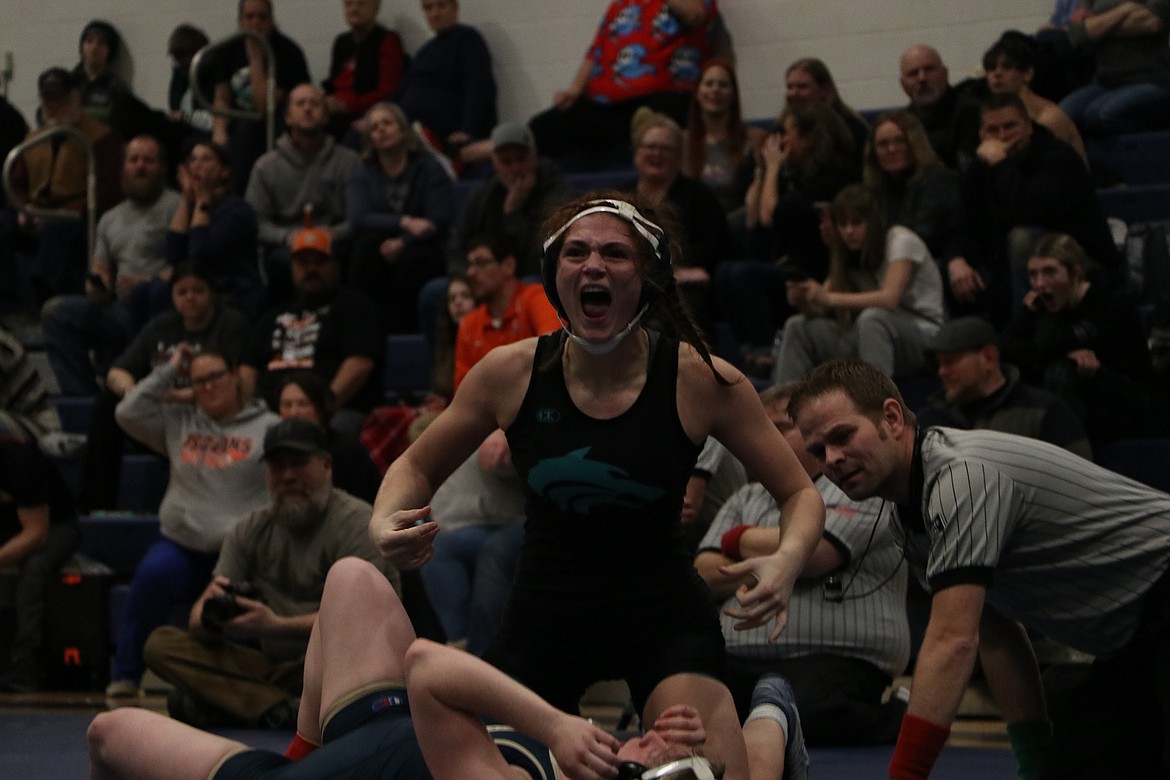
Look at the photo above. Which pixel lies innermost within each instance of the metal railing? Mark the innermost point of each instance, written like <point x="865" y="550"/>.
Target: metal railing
<point x="269" y="113"/>
<point x="90" y="183"/>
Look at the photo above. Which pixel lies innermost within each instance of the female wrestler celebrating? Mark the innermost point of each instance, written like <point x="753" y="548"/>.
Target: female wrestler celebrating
<point x="604" y="422"/>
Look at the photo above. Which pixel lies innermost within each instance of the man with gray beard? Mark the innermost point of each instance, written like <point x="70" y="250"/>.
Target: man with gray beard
<point x="239" y="662"/>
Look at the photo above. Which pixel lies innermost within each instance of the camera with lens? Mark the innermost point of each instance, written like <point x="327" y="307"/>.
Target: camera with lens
<point x="218" y="610"/>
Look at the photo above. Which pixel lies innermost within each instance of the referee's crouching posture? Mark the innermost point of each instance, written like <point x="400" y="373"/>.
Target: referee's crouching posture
<point x="1006" y="531"/>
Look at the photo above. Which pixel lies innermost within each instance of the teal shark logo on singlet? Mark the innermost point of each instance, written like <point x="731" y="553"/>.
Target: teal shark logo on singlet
<point x="578" y="485"/>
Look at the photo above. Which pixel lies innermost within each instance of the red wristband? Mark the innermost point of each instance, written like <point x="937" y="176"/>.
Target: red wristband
<point x="729" y="542"/>
<point x="919" y="743"/>
<point x="299" y="748"/>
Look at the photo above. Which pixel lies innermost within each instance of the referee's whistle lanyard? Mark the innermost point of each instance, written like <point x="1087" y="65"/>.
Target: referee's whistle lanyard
<point x="911" y="514"/>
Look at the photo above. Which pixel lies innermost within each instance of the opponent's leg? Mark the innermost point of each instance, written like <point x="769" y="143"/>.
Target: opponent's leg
<point x="135" y="744"/>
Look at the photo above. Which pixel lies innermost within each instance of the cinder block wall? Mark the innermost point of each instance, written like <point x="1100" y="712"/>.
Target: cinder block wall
<point x="537" y="44"/>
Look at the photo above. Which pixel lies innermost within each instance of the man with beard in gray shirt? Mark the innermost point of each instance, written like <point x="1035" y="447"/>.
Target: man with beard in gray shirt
<point x="240" y="661"/>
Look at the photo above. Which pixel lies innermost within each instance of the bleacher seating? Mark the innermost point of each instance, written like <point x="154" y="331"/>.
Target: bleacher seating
<point x="75" y="412"/>
<point x="408" y="369"/>
<point x="1145" y="203"/>
<point x="1134" y="158"/>
<point x="1146" y="460"/>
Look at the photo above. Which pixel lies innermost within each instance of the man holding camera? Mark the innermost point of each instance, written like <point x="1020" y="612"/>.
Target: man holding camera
<point x="239" y="662"/>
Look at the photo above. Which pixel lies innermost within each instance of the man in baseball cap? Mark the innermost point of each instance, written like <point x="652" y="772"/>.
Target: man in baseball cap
<point x="978" y="391"/>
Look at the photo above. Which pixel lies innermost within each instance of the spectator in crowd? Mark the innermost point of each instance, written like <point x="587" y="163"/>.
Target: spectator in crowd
<point x="38" y="533"/>
<point x="508" y="310"/>
<point x="912" y="185"/>
<point x="194" y="318"/>
<point x="522" y="188"/>
<point x="716" y="476"/>
<point x="449" y="89"/>
<point x="458" y="303"/>
<point x="104" y="95"/>
<point x="1131" y="88"/>
<point x="720" y="147"/>
<point x="1024" y="183"/>
<point x="882" y="300"/>
<point x="1075" y="552"/>
<point x="215" y="229"/>
<point x="398" y="202"/>
<point x="809" y="81"/>
<point x="805" y="164"/>
<point x="53" y="175"/>
<point x="184" y="113"/>
<point x="511" y="203"/>
<point x="482" y="497"/>
<point x="216" y="478"/>
<point x="366" y="66"/>
<point x="978" y="391"/>
<point x="300" y="183"/>
<point x="130" y="252"/>
<point x="325" y="328"/>
<point x="26" y="412"/>
<point x="658" y="148"/>
<point x="847" y="636"/>
<point x="306" y="396"/>
<point x="13" y="129"/>
<point x="240" y="661"/>
<point x="1084" y="340"/>
<point x="362" y="642"/>
<point x="477" y="503"/>
<point x="241" y="83"/>
<point x="949" y="115"/>
<point x="644" y="53"/>
<point x="1010" y="65"/>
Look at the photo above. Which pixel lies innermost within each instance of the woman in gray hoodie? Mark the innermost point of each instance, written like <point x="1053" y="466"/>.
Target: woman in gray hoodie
<point x="216" y="478"/>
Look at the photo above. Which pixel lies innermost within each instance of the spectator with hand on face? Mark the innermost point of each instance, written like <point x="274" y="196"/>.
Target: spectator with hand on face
<point x="216" y="478"/>
<point x="196" y="319"/>
<point x="1024" y="183"/>
<point x="1083" y="339"/>
<point x="215" y="229"/>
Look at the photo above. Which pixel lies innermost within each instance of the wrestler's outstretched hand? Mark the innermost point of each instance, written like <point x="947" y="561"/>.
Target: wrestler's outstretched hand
<point x="408" y="540"/>
<point x="583" y="751"/>
<point x="772" y="579"/>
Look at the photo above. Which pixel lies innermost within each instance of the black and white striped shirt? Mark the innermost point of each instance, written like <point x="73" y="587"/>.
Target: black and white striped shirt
<point x="1064" y="546"/>
<point x="869" y="623"/>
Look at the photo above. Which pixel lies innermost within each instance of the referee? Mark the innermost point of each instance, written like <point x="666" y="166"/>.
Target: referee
<point x="1009" y="533"/>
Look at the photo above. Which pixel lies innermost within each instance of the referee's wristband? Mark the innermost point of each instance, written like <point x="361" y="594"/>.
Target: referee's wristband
<point x="919" y="743"/>
<point x="729" y="542"/>
<point x="1029" y="740"/>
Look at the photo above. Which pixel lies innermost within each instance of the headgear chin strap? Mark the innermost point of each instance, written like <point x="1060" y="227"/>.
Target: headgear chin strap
<point x="623" y="210"/>
<point x="610" y="344"/>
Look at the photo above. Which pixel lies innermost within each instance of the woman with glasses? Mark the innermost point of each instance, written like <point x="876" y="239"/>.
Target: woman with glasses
<point x="913" y="186"/>
<point x="216" y="478"/>
<point x="658" y="154"/>
<point x="381" y="705"/>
